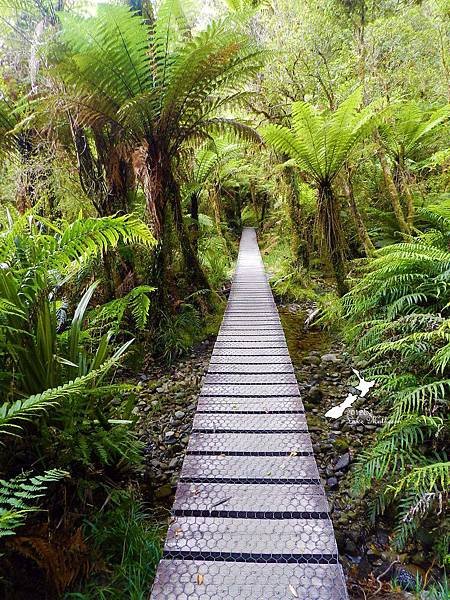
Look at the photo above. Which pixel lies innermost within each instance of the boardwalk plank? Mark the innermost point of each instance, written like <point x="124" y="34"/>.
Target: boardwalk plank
<point x="250" y="518"/>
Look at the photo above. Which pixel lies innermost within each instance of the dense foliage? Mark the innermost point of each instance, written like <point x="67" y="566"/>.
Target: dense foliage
<point x="400" y="308"/>
<point x="136" y="139"/>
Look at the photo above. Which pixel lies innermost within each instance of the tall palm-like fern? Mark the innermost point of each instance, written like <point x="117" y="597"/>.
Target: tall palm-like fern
<point x="212" y="167"/>
<point x="156" y="87"/>
<point x="320" y="144"/>
<point x="400" y="316"/>
<point x="408" y="131"/>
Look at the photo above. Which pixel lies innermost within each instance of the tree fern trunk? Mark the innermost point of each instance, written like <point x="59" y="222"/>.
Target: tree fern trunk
<point x="159" y="273"/>
<point x="298" y="244"/>
<point x="217" y="205"/>
<point x="153" y="169"/>
<point x="392" y="191"/>
<point x="410" y="209"/>
<point x="331" y="228"/>
<point x="361" y="228"/>
<point x="194" y="227"/>
<point x="192" y="264"/>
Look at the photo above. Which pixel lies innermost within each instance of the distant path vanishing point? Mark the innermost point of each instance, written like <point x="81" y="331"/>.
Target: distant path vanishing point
<point x="250" y="518"/>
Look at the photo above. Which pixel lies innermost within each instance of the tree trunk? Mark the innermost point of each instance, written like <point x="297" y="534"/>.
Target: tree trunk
<point x="331" y="226"/>
<point x="215" y="196"/>
<point x="159" y="273"/>
<point x="194" y="221"/>
<point x="392" y="191"/>
<point x="238" y="209"/>
<point x="160" y="188"/>
<point x="90" y="175"/>
<point x="191" y="262"/>
<point x="265" y="202"/>
<point x="404" y="183"/>
<point x="153" y="170"/>
<point x="26" y="196"/>
<point x="298" y="244"/>
<point x="361" y="228"/>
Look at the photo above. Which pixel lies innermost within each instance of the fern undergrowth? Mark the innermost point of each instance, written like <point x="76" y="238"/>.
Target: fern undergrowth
<point x="399" y="321"/>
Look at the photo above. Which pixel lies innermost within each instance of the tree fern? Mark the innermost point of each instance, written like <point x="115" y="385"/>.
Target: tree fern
<point x="157" y="88"/>
<point x="320" y="143"/>
<point x="399" y="316"/>
<point x="38" y="261"/>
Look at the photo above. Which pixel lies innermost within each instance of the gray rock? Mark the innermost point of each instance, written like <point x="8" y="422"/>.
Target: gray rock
<point x="164" y="491"/>
<point x="314" y="394"/>
<point x="169" y="435"/>
<point x="330" y="358"/>
<point x="351" y="548"/>
<point x="342" y="462"/>
<point x="332" y="483"/>
<point x="311" y="360"/>
<point x="179" y="414"/>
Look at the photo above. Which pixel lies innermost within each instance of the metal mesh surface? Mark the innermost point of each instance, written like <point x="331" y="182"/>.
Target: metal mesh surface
<point x="266" y="405"/>
<point x="250" y="518"/>
<point x="201" y="580"/>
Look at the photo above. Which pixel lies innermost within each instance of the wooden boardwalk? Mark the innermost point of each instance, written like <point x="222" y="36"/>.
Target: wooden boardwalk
<point x="250" y="518"/>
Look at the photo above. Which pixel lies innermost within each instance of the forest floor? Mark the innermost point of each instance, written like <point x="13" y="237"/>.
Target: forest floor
<point x="323" y="368"/>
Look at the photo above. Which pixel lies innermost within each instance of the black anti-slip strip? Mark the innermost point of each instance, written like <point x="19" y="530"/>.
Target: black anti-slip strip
<point x="247" y="347"/>
<point x="219" y="362"/>
<point x="219" y="430"/>
<point x="251" y="480"/>
<point x="250" y="412"/>
<point x="244" y="514"/>
<point x="247" y="557"/>
<point x="250" y="395"/>
<point x="249" y="372"/>
<point x="210" y="383"/>
<point x="244" y="453"/>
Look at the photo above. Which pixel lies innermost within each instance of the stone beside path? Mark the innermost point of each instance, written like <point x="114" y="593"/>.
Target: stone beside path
<point x="250" y="518"/>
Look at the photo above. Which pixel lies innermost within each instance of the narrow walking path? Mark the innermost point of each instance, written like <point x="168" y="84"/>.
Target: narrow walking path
<point x="250" y="518"/>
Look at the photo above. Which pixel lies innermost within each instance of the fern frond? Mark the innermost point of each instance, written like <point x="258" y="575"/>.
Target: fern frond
<point x="18" y="496"/>
<point x="13" y="415"/>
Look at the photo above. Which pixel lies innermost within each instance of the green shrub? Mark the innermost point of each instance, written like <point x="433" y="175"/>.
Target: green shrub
<point x="399" y="313"/>
<point x="59" y="409"/>
<point x="128" y="543"/>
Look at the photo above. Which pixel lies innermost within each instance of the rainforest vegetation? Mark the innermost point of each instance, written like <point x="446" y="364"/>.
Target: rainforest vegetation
<point x="136" y="140"/>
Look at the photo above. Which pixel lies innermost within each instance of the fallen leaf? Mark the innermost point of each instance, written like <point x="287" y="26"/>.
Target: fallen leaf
<point x="293" y="453"/>
<point x="293" y="591"/>
<point x="200" y="578"/>
<point x="178" y="532"/>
